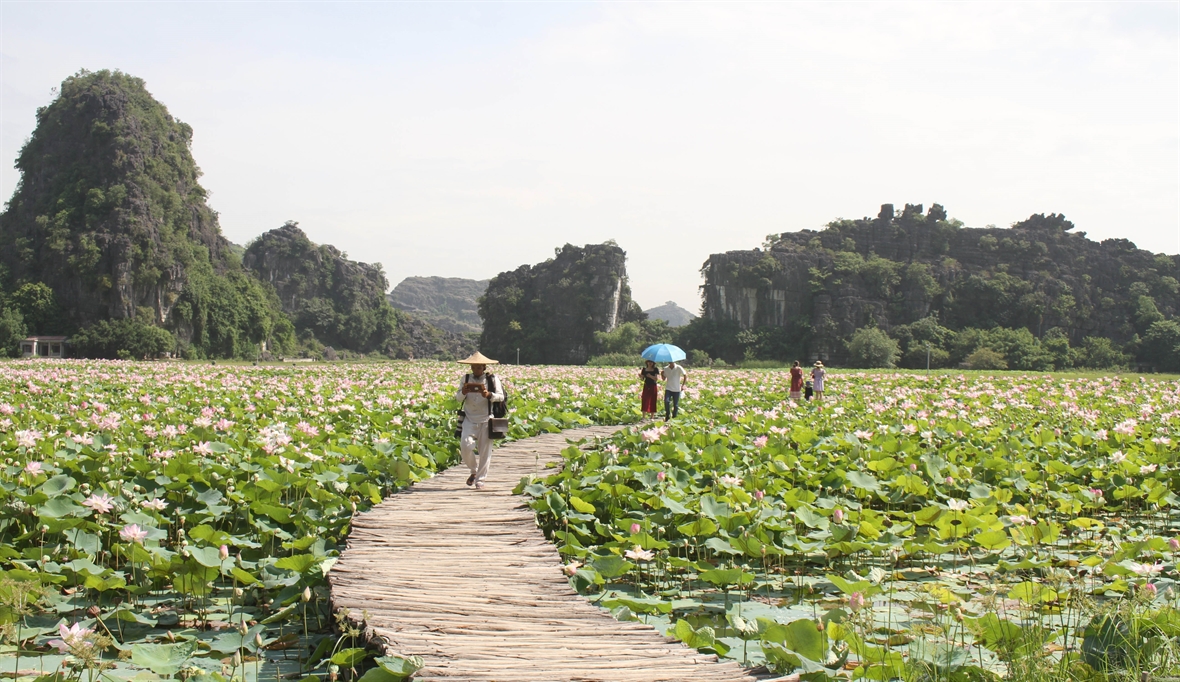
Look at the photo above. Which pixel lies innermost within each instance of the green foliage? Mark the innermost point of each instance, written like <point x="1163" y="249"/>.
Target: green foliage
<point x="230" y="316"/>
<point x="121" y="339"/>
<point x="698" y="358"/>
<point x="1099" y="352"/>
<point x="985" y="358"/>
<point x="632" y="337"/>
<point x="38" y="308"/>
<point x="12" y="331"/>
<point x="615" y="360"/>
<point x="1161" y="345"/>
<point x="870" y="347"/>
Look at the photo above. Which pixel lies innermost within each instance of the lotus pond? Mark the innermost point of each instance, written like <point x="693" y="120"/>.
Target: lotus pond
<point x="172" y="520"/>
<point x="179" y="520"/>
<point x="909" y="528"/>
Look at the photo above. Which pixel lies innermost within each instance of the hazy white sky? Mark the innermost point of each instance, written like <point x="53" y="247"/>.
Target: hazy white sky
<point x="462" y="139"/>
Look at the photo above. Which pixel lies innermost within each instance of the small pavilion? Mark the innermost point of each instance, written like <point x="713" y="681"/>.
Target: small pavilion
<point x="43" y="347"/>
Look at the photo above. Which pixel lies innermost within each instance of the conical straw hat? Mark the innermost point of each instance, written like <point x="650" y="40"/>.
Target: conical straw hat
<point x="478" y="358"/>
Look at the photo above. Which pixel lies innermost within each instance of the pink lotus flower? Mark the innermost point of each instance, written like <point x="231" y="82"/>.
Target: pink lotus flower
<point x="758" y="494"/>
<point x="856" y="601"/>
<point x="760" y="441"/>
<point x="133" y="533"/>
<point x="33" y="468"/>
<point x="223" y="552"/>
<point x="155" y="504"/>
<point x="639" y="554"/>
<point x="74" y="637"/>
<point x="661" y="476"/>
<point x="100" y="503"/>
<point x="838" y="515"/>
<point x="634" y="528"/>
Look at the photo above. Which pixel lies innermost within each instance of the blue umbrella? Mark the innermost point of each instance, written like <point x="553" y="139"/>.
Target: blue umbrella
<point x="663" y="352"/>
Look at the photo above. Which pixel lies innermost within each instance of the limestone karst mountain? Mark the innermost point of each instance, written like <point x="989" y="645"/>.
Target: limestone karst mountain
<point x="450" y="303"/>
<point x="671" y="313"/>
<point x="551" y="310"/>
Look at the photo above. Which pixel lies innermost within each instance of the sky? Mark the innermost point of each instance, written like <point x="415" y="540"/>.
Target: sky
<point x="466" y="139"/>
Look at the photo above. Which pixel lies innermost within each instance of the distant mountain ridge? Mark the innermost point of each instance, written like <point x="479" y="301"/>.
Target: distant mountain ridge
<point x="450" y="303"/>
<point x="671" y="313"/>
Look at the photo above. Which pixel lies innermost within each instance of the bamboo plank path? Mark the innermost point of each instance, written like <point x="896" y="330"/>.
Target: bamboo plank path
<point x="466" y="580"/>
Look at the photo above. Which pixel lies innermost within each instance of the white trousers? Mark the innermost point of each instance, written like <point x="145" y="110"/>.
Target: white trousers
<point x="474" y="440"/>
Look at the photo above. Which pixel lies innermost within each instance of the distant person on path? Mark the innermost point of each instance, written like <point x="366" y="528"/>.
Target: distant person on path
<point x="651" y="390"/>
<point x="477" y="392"/>
<point x="817" y="380"/>
<point x="674" y="382"/>
<point x="796" y="381"/>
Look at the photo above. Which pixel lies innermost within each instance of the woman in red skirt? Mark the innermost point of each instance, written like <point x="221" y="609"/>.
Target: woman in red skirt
<point x="651" y="391"/>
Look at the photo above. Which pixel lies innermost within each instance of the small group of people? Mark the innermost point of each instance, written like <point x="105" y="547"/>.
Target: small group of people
<point x="480" y="389"/>
<point x="814" y="385"/>
<point x="675" y="379"/>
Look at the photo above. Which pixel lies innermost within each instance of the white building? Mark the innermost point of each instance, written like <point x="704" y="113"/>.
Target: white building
<point x="43" y="347"/>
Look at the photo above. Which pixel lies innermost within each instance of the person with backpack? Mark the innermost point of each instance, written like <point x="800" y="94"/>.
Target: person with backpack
<point x="478" y="392"/>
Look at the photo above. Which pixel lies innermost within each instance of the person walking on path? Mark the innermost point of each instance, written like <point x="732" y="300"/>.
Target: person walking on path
<point x="817" y="380"/>
<point x="651" y="390"/>
<point x="477" y="393"/>
<point x="796" y="381"/>
<point x="674" y="377"/>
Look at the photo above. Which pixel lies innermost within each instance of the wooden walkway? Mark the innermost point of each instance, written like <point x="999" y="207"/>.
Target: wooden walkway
<point x="466" y="580"/>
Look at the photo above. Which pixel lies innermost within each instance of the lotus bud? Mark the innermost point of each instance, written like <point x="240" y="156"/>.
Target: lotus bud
<point x="838" y="515"/>
<point x="758" y="494"/>
<point x="242" y="629"/>
<point x="1149" y="589"/>
<point x="634" y="528"/>
<point x="913" y="467"/>
<point x="44" y="529"/>
<point x="169" y="636"/>
<point x="1174" y="543"/>
<point x="237" y="659"/>
<point x="238" y="592"/>
<point x="856" y="601"/>
<point x="258" y="639"/>
<point x="223" y="552"/>
<point x="306" y="594"/>
<point x="333" y="672"/>
<point x="819" y="625"/>
<point x="950" y="480"/>
<point x="661" y="476"/>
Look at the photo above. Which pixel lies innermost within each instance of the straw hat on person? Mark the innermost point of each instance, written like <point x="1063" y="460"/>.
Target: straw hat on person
<point x="818" y="363"/>
<point x="478" y="358"/>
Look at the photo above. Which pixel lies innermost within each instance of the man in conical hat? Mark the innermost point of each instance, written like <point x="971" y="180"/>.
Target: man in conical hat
<point x="477" y="392"/>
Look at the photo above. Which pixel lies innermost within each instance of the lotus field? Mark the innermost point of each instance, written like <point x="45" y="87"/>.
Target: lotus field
<point x="173" y="520"/>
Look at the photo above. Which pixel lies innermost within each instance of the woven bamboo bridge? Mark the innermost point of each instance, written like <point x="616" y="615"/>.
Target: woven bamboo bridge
<point x="466" y="580"/>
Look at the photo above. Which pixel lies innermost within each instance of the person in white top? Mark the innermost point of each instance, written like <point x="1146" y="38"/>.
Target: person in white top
<point x="674" y="377"/>
<point x="817" y="380"/>
<point x="477" y="392"/>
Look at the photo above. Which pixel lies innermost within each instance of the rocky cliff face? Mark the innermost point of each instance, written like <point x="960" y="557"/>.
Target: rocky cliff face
<point x="551" y="310"/>
<point x="339" y="301"/>
<point x="108" y="211"/>
<point x="450" y="303"/>
<point x="899" y="268"/>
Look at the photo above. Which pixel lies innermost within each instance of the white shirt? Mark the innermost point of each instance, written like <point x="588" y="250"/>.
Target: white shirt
<point x="673" y="376"/>
<point x="474" y="404"/>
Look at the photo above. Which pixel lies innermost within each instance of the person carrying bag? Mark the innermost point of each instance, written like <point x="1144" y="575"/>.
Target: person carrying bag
<point x="481" y="393"/>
